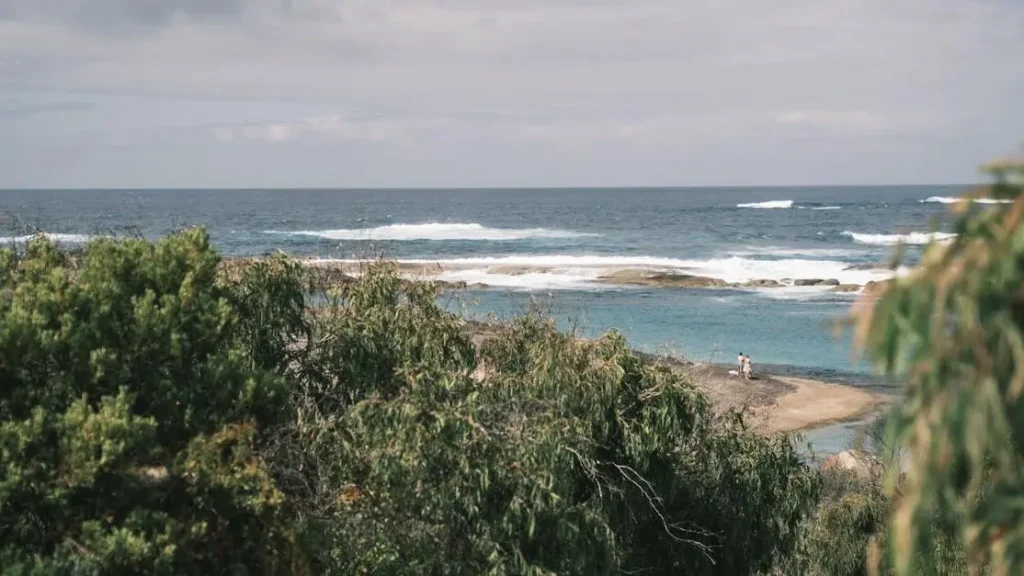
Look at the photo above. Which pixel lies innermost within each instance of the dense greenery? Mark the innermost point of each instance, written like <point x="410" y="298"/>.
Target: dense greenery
<point x="159" y="415"/>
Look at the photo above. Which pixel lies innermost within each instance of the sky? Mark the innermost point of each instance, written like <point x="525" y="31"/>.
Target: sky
<point x="494" y="93"/>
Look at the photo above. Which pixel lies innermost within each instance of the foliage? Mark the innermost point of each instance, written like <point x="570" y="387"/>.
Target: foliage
<point x="540" y="454"/>
<point x="952" y="330"/>
<point x="127" y="415"/>
<point x="161" y="414"/>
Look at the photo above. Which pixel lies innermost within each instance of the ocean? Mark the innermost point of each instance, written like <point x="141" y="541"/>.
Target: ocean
<point x="549" y="248"/>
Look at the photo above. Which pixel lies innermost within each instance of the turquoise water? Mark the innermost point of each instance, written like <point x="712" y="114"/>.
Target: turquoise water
<point x="549" y="246"/>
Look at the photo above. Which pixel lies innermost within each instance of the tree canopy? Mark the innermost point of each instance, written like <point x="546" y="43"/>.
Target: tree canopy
<point x="159" y="415"/>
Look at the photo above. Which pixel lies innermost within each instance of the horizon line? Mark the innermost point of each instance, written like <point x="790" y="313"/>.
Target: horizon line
<point x="476" y="188"/>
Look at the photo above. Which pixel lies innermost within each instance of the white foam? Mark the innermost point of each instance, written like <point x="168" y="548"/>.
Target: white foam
<point x="916" y="238"/>
<point x="767" y="205"/>
<point x="53" y="237"/>
<point x="952" y="200"/>
<point x="827" y="208"/>
<point x="435" y="231"/>
<point x="802" y="293"/>
<point x="561" y="280"/>
<point x="572" y="271"/>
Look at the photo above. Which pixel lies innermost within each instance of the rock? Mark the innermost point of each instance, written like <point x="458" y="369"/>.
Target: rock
<point x="847" y="288"/>
<point x="661" y="279"/>
<point x="875" y="288"/>
<point x="815" y="282"/>
<point x="762" y="283"/>
<point x="511" y="270"/>
<point x="856" y="461"/>
<point x="864" y="267"/>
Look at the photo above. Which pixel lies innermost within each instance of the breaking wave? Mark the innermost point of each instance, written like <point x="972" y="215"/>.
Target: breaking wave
<point x="767" y="205"/>
<point x="916" y="238"/>
<point x="953" y="200"/>
<point x="435" y="231"/>
<point x="54" y="237"/>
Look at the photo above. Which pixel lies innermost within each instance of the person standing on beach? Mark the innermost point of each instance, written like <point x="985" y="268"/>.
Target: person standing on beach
<point x="747" y="369"/>
<point x="739" y="363"/>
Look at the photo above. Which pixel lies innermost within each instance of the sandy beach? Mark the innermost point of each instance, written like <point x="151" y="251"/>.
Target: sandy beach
<point x="779" y="404"/>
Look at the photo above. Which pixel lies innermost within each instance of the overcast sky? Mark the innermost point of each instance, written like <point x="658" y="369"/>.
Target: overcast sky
<point x="357" y="93"/>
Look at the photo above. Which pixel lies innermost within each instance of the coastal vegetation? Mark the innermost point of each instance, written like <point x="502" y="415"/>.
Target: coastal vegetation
<point x="164" y="412"/>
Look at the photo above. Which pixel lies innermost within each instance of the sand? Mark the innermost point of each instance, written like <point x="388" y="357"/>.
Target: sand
<point x="780" y="404"/>
<point x="812" y="404"/>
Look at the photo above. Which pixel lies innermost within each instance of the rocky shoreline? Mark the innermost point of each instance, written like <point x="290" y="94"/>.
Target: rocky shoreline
<point x="336" y="273"/>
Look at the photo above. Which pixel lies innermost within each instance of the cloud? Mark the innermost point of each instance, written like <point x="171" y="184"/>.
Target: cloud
<point x="22" y="110"/>
<point x="379" y="130"/>
<point x="109" y="16"/>
<point x="846" y="121"/>
<point x="528" y="90"/>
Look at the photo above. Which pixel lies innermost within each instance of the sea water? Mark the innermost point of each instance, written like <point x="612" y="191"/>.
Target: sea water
<point x="547" y="248"/>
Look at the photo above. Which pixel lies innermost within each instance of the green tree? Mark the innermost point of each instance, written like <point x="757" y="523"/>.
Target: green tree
<point x="540" y="453"/>
<point x="953" y="331"/>
<point x="128" y="416"/>
<point x="162" y="411"/>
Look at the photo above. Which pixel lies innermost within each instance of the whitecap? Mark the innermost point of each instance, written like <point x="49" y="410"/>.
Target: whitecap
<point x="435" y="231"/>
<point x="52" y="236"/>
<point x="915" y="238"/>
<point x="827" y="208"/>
<point x="952" y="200"/>
<point x="805" y="293"/>
<point x="767" y="205"/>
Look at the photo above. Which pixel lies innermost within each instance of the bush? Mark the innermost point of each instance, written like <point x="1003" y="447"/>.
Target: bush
<point x="163" y="413"/>
<point x="953" y="331"/>
<point x="129" y="416"/>
<point x="549" y="455"/>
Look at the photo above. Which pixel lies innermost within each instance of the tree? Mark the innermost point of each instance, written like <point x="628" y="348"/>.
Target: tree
<point x="953" y="331"/>
<point x="164" y="412"/>
<point x="130" y="415"/>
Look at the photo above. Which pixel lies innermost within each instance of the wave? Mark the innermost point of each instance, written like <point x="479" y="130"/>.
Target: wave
<point x="579" y="271"/>
<point x="827" y="208"/>
<point x="435" y="231"/>
<point x="916" y="238"/>
<point x="52" y="236"/>
<point x="767" y="205"/>
<point x="953" y="200"/>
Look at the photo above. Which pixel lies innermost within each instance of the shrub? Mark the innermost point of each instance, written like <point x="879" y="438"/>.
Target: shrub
<point x="952" y="330"/>
<point x="163" y="413"/>
<point x="128" y="417"/>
